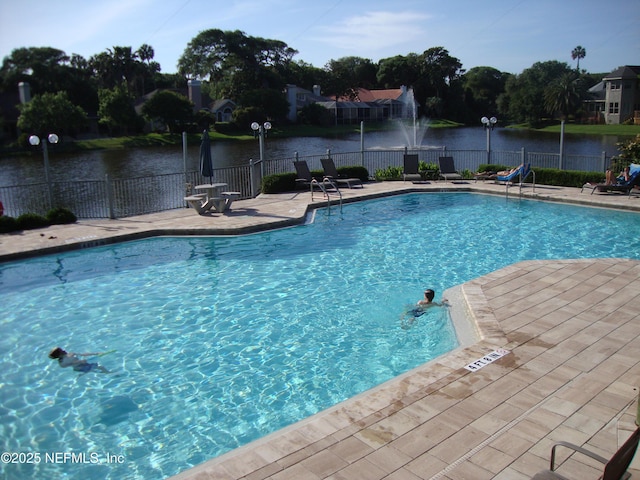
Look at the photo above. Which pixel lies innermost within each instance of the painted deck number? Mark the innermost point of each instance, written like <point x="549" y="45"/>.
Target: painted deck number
<point x="486" y="360"/>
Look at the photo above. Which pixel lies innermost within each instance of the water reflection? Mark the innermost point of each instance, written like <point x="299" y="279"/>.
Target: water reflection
<point x="95" y="165"/>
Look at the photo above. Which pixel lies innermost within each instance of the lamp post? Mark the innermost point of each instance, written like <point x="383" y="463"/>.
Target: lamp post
<point x="53" y="139"/>
<point x="261" y="131"/>
<point x="488" y="124"/>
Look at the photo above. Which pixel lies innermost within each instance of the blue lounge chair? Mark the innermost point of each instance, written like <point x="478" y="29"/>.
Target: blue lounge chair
<point x="523" y="171"/>
<point x="625" y="187"/>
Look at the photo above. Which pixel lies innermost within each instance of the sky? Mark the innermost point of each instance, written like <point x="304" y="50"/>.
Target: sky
<point x="509" y="35"/>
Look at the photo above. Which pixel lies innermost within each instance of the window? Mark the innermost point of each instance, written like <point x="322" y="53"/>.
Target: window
<point x="614" y="107"/>
<point x="614" y="85"/>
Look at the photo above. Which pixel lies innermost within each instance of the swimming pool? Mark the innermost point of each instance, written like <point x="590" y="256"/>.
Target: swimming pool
<point x="207" y="328"/>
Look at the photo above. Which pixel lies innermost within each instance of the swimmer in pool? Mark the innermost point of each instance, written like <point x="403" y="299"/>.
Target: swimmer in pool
<point x="421" y="308"/>
<point x="69" y="359"/>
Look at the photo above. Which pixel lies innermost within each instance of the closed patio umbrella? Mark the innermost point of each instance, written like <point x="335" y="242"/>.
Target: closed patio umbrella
<point x="206" y="163"/>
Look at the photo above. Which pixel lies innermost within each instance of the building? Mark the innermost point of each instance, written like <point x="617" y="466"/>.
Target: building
<point x="622" y="94"/>
<point x="368" y="105"/>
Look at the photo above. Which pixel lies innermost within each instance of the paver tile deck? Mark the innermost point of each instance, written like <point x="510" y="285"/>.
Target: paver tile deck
<point x="571" y="327"/>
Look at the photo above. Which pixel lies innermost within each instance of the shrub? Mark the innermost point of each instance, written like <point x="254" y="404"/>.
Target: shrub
<point x="389" y="173"/>
<point x="279" y="182"/>
<point x="61" y="216"/>
<point x="8" y="224"/>
<point x="28" y="221"/>
<point x="566" y="178"/>
<point x="354" y="172"/>
<point x="428" y="171"/>
<point x="490" y="167"/>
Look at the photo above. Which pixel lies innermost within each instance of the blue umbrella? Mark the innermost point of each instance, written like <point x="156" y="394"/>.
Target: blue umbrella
<point x="206" y="163"/>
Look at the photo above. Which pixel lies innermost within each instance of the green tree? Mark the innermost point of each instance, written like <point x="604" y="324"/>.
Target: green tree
<point x="630" y="150"/>
<point x="51" y="113"/>
<point x="116" y="111"/>
<point x="122" y="64"/>
<point x="234" y="62"/>
<point x="271" y="103"/>
<point x="314" y="114"/>
<point x="347" y="74"/>
<point x="564" y="95"/>
<point x="523" y="100"/>
<point x="399" y="70"/>
<point x="482" y="87"/>
<point x="169" y="108"/>
<point x="578" y="53"/>
<point x="49" y="70"/>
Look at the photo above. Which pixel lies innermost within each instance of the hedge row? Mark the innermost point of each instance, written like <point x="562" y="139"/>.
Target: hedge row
<point x="286" y="182"/>
<point x="30" y="221"/>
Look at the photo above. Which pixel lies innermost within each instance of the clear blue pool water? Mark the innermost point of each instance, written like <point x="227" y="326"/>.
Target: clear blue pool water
<point x="223" y="340"/>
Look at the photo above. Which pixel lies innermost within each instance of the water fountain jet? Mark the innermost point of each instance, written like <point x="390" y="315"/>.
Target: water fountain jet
<point x="415" y="128"/>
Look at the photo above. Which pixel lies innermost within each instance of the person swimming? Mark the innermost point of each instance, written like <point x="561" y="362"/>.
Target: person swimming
<point x="421" y="308"/>
<point x="69" y="359"/>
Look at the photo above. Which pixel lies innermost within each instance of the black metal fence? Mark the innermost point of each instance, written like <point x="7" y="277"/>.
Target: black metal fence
<point x="117" y="198"/>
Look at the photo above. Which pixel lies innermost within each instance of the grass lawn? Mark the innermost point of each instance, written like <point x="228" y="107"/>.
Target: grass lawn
<point x="630" y="130"/>
<point x="157" y="139"/>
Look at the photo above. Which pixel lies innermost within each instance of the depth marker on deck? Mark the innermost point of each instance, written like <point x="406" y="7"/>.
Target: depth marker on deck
<point x="487" y="359"/>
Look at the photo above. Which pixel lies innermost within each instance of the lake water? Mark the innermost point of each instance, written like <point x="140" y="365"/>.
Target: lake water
<point x="94" y="165"/>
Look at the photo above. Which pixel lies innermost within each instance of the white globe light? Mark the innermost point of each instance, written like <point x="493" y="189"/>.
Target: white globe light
<point x="255" y="126"/>
<point x="53" y="138"/>
<point x="484" y="120"/>
<point x="34" y="140"/>
<point x="493" y="120"/>
<point x="267" y="125"/>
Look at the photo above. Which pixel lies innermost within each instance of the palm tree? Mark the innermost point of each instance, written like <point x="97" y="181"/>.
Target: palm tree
<point x="564" y="96"/>
<point x="578" y="53"/>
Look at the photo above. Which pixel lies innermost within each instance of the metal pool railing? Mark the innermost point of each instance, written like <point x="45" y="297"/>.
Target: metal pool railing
<point x="124" y="197"/>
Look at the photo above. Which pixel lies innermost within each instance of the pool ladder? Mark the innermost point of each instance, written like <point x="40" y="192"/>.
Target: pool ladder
<point x="328" y="188"/>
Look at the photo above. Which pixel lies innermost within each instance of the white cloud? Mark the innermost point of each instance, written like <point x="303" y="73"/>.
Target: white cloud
<point x="376" y="32"/>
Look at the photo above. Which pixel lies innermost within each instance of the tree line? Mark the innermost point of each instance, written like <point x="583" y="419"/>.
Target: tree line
<point x="254" y="71"/>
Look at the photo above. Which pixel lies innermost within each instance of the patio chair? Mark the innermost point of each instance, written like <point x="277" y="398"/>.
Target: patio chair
<point x="522" y="171"/>
<point x="448" y="169"/>
<point x="624" y="187"/>
<point x="330" y="171"/>
<point x="614" y="469"/>
<point x="307" y="179"/>
<point x="410" y="170"/>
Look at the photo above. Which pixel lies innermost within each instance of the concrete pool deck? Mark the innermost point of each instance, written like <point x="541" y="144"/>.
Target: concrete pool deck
<point x="570" y="369"/>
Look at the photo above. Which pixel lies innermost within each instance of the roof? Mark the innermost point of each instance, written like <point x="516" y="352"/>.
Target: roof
<point x="222" y="103"/>
<point x="627" y="71"/>
<point x="365" y="95"/>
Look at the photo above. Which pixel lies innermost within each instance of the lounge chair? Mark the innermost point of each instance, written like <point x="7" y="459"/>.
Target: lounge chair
<point x="330" y="171"/>
<point x="614" y="469"/>
<point x="447" y="169"/>
<point x="305" y="178"/>
<point x="625" y="187"/>
<point x="410" y="170"/>
<point x="523" y="171"/>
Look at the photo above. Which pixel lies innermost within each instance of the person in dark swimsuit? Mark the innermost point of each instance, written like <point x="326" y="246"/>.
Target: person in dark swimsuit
<point x="69" y="359"/>
<point x="420" y="308"/>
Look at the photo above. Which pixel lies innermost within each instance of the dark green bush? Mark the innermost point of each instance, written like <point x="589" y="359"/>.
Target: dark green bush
<point x="566" y="178"/>
<point x="279" y="182"/>
<point x="355" y="171"/>
<point x="61" y="216"/>
<point x="8" y="224"/>
<point x="28" y="221"/>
